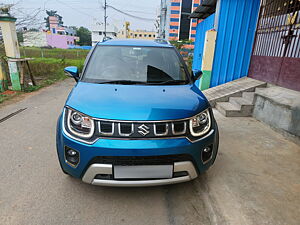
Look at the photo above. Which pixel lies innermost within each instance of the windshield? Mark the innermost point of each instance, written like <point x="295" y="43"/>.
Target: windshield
<point x="135" y="64"/>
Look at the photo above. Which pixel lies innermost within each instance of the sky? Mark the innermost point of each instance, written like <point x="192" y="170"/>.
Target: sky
<point x="88" y="12"/>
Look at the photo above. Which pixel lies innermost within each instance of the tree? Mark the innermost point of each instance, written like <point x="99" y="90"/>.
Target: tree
<point x="84" y="36"/>
<point x="53" y="13"/>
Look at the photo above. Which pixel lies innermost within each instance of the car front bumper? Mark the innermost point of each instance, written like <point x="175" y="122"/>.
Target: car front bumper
<point x="104" y="154"/>
<point x="94" y="169"/>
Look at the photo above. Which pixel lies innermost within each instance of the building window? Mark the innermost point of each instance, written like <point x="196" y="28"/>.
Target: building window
<point x="150" y="35"/>
<point x="100" y="33"/>
<point x="67" y="42"/>
<point x="140" y="35"/>
<point x="174" y="27"/>
<point x="135" y="35"/>
<point x="175" y="4"/>
<point x="153" y="35"/>
<point x="145" y="35"/>
<point x="175" y="12"/>
<point x="174" y="20"/>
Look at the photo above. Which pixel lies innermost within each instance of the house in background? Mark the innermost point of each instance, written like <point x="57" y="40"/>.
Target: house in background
<point x="126" y="32"/>
<point x="98" y="32"/>
<point x="56" y="36"/>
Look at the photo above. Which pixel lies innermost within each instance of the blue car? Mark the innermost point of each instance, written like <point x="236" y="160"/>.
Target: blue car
<point x="136" y="118"/>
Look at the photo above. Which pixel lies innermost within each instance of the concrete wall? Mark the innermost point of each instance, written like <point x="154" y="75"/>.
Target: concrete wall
<point x="279" y="108"/>
<point x="35" y="39"/>
<point x="10" y="38"/>
<point x="42" y="39"/>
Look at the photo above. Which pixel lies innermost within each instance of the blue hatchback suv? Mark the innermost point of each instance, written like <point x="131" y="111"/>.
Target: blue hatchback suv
<point x="136" y="118"/>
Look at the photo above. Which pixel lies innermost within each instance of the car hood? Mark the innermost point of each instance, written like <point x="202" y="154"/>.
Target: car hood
<point x="137" y="102"/>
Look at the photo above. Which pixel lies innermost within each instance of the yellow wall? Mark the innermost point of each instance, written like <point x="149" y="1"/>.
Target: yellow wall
<point x="209" y="50"/>
<point x="10" y="39"/>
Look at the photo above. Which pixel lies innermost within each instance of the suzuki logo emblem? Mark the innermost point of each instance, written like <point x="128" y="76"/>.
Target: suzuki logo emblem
<point x="143" y="130"/>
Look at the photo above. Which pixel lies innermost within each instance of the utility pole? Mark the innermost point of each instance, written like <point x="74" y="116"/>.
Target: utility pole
<point x="163" y="19"/>
<point x="105" y="17"/>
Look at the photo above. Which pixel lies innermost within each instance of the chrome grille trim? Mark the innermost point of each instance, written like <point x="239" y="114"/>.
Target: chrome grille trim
<point x="179" y="133"/>
<point x="106" y="133"/>
<point x="125" y="134"/>
<point x="162" y="134"/>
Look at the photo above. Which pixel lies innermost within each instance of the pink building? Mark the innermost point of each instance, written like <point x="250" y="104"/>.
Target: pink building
<point x="61" y="41"/>
<point x="57" y="36"/>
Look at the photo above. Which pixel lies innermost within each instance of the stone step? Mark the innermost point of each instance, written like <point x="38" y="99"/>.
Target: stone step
<point x="243" y="103"/>
<point x="230" y="110"/>
<point x="223" y="92"/>
<point x="227" y="109"/>
<point x="249" y="96"/>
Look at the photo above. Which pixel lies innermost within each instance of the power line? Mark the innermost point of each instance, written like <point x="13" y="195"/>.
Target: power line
<point x="136" y="11"/>
<point x="128" y="14"/>
<point x="83" y="13"/>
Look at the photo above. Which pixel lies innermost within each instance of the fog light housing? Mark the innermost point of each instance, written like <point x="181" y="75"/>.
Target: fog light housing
<point x="71" y="156"/>
<point x="207" y="154"/>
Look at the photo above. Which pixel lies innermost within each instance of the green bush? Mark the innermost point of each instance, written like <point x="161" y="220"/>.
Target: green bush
<point x="49" y="70"/>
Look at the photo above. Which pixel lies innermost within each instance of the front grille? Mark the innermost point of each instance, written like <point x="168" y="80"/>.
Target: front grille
<point x="136" y="130"/>
<point x="106" y="128"/>
<point x="125" y="129"/>
<point x="141" y="160"/>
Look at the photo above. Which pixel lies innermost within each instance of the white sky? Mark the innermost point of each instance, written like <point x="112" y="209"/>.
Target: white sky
<point x="88" y="12"/>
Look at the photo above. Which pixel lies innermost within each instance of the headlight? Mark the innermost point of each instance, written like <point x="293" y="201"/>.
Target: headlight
<point x="79" y="125"/>
<point x="200" y="124"/>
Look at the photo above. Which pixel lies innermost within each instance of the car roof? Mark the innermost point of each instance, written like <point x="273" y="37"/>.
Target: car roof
<point x="136" y="42"/>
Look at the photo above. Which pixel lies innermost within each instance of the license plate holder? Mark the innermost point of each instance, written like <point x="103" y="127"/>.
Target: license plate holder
<point x="143" y="172"/>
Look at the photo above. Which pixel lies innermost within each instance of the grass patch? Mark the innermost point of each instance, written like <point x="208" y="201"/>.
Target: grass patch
<point x="50" y="70"/>
<point x="47" y="67"/>
<point x="46" y="71"/>
<point x="33" y="52"/>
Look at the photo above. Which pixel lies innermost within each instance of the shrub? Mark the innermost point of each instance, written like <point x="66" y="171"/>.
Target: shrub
<point x="49" y="70"/>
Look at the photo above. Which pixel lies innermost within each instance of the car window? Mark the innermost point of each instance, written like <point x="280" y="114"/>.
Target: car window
<point x="145" y="64"/>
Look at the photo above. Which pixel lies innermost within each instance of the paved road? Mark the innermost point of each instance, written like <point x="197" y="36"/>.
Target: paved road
<point x="256" y="178"/>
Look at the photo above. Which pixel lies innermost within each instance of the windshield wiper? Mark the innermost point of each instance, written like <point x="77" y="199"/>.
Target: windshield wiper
<point x="173" y="82"/>
<point x="122" y="82"/>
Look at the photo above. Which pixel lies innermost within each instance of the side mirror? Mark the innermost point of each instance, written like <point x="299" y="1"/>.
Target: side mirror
<point x="72" y="71"/>
<point x="197" y="74"/>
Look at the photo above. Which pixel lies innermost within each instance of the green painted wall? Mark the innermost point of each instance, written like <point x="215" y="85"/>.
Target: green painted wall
<point x="14" y="76"/>
<point x="205" y="80"/>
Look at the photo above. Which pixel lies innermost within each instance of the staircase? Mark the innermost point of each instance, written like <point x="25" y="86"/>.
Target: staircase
<point x="237" y="106"/>
<point x="236" y="98"/>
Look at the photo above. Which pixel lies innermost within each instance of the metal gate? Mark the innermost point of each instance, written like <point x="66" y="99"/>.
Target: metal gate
<point x="276" y="52"/>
